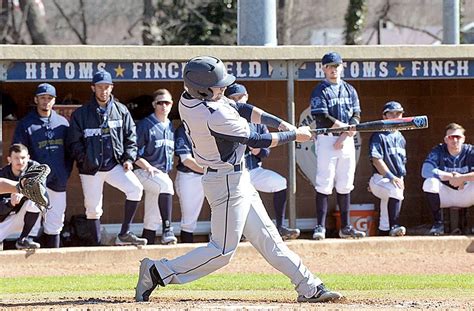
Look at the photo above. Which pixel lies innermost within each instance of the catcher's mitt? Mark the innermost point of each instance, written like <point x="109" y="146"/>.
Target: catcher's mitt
<point x="33" y="185"/>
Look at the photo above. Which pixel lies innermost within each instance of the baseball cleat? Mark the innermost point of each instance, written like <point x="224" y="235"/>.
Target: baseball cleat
<point x="437" y="229"/>
<point x="288" y="233"/>
<point x="319" y="233"/>
<point x="398" y="231"/>
<point x="322" y="295"/>
<point x="26" y="243"/>
<point x="129" y="238"/>
<point x="351" y="232"/>
<point x="148" y="280"/>
<point x="168" y="238"/>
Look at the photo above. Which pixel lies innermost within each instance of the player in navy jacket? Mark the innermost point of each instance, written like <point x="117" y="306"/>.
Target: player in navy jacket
<point x="155" y="139"/>
<point x="387" y="152"/>
<point x="449" y="174"/>
<point x="44" y="132"/>
<point x="102" y="140"/>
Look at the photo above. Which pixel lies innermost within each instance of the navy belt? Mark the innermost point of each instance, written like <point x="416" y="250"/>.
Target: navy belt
<point x="237" y="168"/>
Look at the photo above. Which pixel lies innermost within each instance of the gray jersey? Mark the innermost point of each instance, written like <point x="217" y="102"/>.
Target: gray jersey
<point x="216" y="130"/>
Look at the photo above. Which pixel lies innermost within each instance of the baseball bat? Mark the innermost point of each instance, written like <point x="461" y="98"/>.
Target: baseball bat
<point x="408" y="123"/>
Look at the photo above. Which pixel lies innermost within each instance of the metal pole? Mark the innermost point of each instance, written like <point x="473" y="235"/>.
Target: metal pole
<point x="291" y="201"/>
<point x="256" y="22"/>
<point x="450" y="21"/>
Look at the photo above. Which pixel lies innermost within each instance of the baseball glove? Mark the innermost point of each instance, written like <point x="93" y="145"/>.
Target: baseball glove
<point x="33" y="185"/>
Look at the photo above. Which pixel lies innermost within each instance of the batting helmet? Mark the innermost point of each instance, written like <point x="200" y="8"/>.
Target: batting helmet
<point x="203" y="72"/>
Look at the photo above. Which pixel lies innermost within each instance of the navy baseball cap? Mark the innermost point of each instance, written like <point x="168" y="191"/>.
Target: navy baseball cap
<point x="102" y="77"/>
<point x="392" y="106"/>
<point x="235" y="89"/>
<point x="331" y="58"/>
<point x="45" y="88"/>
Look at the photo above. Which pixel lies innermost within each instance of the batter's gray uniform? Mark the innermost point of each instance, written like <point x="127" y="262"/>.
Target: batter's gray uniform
<point x="219" y="136"/>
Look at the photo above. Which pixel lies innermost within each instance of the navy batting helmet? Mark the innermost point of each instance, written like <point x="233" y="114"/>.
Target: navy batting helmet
<point x="203" y="72"/>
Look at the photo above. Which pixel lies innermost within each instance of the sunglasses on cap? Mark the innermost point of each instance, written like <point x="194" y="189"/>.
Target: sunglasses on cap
<point x="452" y="137"/>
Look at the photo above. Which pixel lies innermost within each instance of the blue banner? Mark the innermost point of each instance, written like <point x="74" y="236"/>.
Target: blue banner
<point x="125" y="71"/>
<point x="392" y="70"/>
<point x="243" y="70"/>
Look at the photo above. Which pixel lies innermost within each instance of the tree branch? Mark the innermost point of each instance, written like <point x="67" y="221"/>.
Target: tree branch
<point x="68" y="21"/>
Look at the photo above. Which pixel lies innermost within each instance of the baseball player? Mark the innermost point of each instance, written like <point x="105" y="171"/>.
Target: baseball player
<point x="188" y="185"/>
<point x="263" y="179"/>
<point x="102" y="140"/>
<point x="449" y="175"/>
<point x="388" y="156"/>
<point x="155" y="140"/>
<point x="17" y="213"/>
<point x="334" y="103"/>
<point x="219" y="135"/>
<point x="44" y="132"/>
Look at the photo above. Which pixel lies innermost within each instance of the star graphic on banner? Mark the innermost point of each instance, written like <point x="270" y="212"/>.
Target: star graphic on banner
<point x="399" y="69"/>
<point x="119" y="71"/>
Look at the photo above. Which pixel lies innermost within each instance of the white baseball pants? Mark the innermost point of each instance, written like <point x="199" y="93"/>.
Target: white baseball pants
<point x="13" y="224"/>
<point x="383" y="189"/>
<point x="54" y="217"/>
<point x="236" y="208"/>
<point x="93" y="186"/>
<point x="336" y="168"/>
<point x="267" y="180"/>
<point x="153" y="186"/>
<point x="191" y="197"/>
<point x="448" y="196"/>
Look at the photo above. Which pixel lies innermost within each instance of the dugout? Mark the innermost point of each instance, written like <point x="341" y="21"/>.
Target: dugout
<point x="428" y="80"/>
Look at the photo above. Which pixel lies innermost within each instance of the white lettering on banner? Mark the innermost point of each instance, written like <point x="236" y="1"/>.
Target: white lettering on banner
<point x="69" y="71"/>
<point x="30" y="69"/>
<point x="101" y="66"/>
<point x="85" y="71"/>
<point x="137" y="67"/>
<point x="43" y="71"/>
<point x="239" y="71"/>
<point x="173" y="72"/>
<point x="55" y="67"/>
<point x="159" y="70"/>
<point x="255" y="69"/>
<point x="354" y="70"/>
<point x="463" y="68"/>
<point x="147" y="70"/>
<point x="318" y="70"/>
<point x="383" y="70"/>
<point x="368" y="69"/>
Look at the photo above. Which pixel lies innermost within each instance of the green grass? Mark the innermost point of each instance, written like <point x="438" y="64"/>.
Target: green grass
<point x="239" y="282"/>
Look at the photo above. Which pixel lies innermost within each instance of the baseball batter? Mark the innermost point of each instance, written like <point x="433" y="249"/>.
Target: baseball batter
<point x="102" y="140"/>
<point x="387" y="153"/>
<point x="219" y="132"/>
<point x="263" y="179"/>
<point x="155" y="140"/>
<point x="335" y="103"/>
<point x="17" y="213"/>
<point x="188" y="185"/>
<point x="44" y="132"/>
<point x="449" y="175"/>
